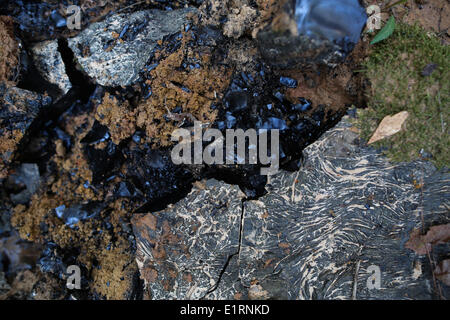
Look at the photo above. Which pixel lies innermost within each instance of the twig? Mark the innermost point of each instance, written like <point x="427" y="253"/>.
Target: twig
<point x="355" y="280"/>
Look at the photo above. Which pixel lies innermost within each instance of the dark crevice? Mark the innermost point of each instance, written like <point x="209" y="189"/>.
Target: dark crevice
<point x="162" y="203"/>
<point x="31" y="79"/>
<point x="78" y="79"/>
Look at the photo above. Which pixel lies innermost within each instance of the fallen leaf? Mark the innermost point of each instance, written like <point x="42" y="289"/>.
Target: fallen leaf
<point x="438" y="234"/>
<point x="389" y="126"/>
<point x="420" y="244"/>
<point x="386" y="32"/>
<point x="442" y="271"/>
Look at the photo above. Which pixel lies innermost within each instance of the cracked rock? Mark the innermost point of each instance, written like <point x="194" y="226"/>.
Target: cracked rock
<point x="19" y="108"/>
<point x="317" y="234"/>
<point x="50" y="64"/>
<point x="183" y="250"/>
<point x="115" y="51"/>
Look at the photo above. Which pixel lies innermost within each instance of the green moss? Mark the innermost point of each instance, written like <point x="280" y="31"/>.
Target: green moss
<point x="394" y="68"/>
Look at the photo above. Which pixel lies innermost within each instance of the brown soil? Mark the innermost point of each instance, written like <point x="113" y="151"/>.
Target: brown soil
<point x="119" y="119"/>
<point x="335" y="88"/>
<point x="33" y="284"/>
<point x="9" y="50"/>
<point x="243" y="18"/>
<point x="194" y="91"/>
<point x="432" y="15"/>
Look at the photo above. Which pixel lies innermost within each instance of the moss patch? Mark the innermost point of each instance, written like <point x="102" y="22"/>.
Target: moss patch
<point x="396" y="70"/>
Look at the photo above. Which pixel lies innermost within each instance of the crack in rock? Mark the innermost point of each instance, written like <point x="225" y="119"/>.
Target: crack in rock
<point x="210" y="294"/>
<point x="346" y="207"/>
<point x="182" y="250"/>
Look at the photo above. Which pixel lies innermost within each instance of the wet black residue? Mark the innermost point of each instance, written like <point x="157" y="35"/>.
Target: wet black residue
<point x="77" y="78"/>
<point x="153" y="173"/>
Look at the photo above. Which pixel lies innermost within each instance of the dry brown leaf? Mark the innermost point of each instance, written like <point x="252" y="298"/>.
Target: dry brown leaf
<point x="420" y="244"/>
<point x="442" y="271"/>
<point x="389" y="126"/>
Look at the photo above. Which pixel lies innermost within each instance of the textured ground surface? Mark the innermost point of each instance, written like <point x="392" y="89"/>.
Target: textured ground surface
<point x="86" y="176"/>
<point x="313" y="236"/>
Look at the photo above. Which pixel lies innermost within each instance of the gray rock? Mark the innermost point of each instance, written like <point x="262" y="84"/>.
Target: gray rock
<point x="312" y="33"/>
<point x="26" y="176"/>
<point x="346" y="210"/>
<point x="78" y="212"/>
<point x="316" y="234"/>
<point x="114" y="51"/>
<point x="18" y="109"/>
<point x="183" y="250"/>
<point x="49" y="63"/>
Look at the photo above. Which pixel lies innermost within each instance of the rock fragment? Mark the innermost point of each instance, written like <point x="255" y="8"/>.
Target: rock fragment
<point x="183" y="249"/>
<point x="26" y="180"/>
<point x="19" y="108"/>
<point x="317" y="234"/>
<point x="49" y="62"/>
<point x="114" y="51"/>
<point x="389" y="126"/>
<point x="305" y="238"/>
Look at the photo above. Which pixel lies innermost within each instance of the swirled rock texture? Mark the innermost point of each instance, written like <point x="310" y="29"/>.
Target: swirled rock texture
<point x="316" y="234"/>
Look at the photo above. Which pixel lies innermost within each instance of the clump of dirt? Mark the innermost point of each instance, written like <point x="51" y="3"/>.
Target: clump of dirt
<point x="100" y="244"/>
<point x="119" y="119"/>
<point x="33" y="284"/>
<point x="432" y="15"/>
<point x="194" y="89"/>
<point x="9" y="50"/>
<point x="184" y="86"/>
